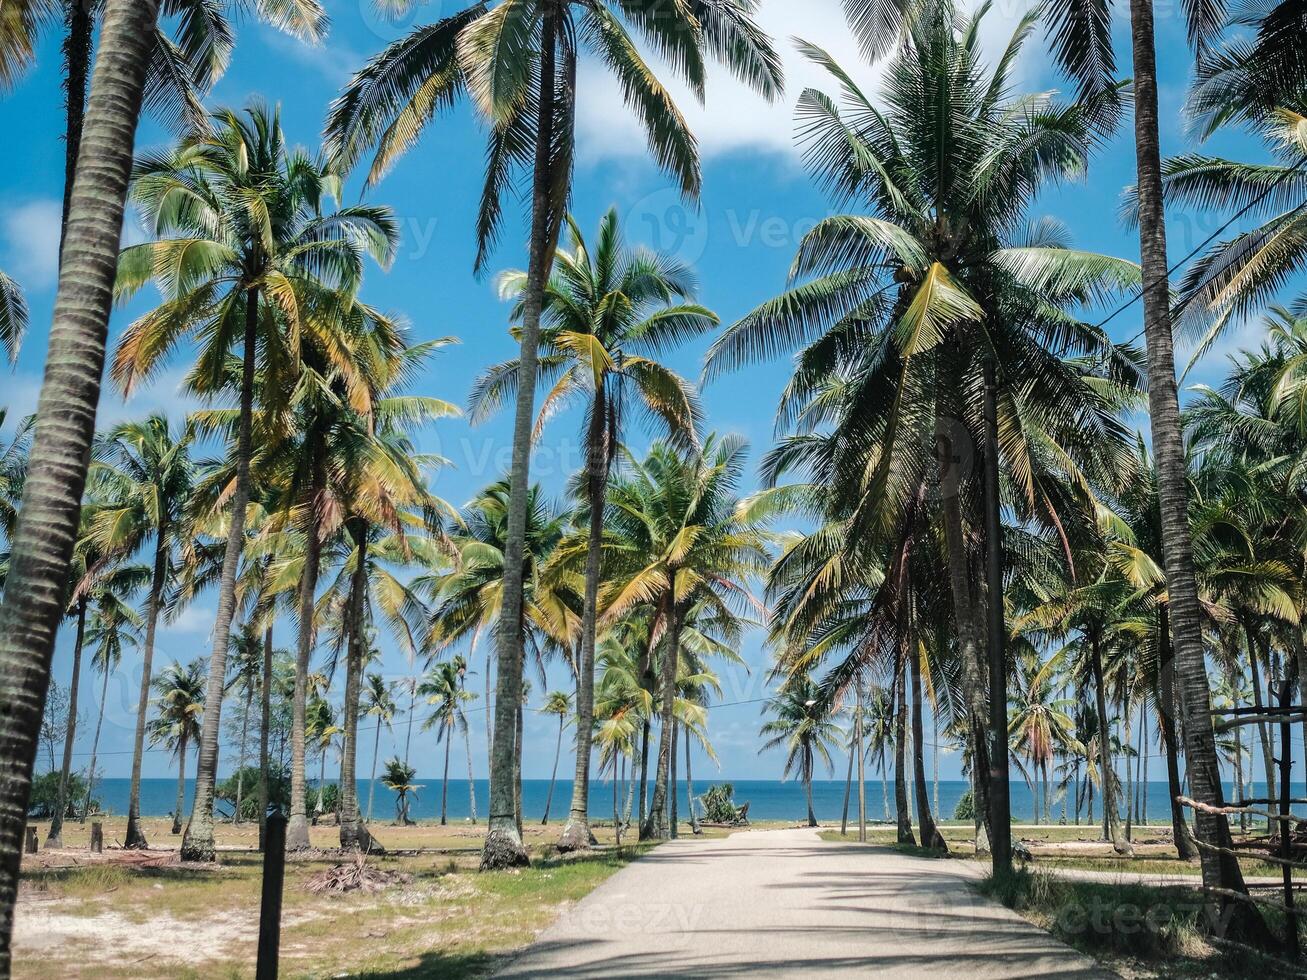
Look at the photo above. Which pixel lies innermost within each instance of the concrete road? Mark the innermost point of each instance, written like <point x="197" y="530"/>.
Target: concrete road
<point x="787" y="904"/>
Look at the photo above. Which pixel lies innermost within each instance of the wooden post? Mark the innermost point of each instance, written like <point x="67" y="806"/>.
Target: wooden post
<point x="32" y="845"/>
<point x="97" y="837"/>
<point x="274" y="873"/>
<point x="1286" y="827"/>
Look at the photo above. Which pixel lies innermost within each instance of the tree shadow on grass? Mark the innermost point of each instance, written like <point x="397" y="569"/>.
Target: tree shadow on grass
<point x="441" y="965"/>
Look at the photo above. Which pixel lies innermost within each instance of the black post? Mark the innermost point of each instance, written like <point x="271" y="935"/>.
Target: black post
<point x="1286" y="828"/>
<point x="1000" y="805"/>
<point x="274" y="873"/>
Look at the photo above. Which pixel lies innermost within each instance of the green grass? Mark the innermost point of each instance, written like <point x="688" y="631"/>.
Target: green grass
<point x="1163" y="930"/>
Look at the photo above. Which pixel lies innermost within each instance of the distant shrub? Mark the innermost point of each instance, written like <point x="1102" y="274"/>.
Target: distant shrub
<point x="966" y="808"/>
<point x="45" y="796"/>
<point x="278" y="790"/>
<point x="719" y="804"/>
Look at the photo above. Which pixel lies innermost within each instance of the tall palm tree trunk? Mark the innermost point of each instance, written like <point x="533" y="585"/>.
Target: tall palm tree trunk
<point x="1185" y="848"/>
<point x="553" y="776"/>
<point x="576" y="833"/>
<point x="859" y="724"/>
<point x="42" y="544"/>
<point x="807" y="784"/>
<point x="95" y="746"/>
<point x="517" y="769"/>
<point x="848" y="789"/>
<point x="1111" y="819"/>
<point x="503" y="847"/>
<point x="246" y="708"/>
<point x="197" y="845"/>
<point x="471" y="783"/>
<point x="655" y="825"/>
<point x="353" y="834"/>
<point x="1000" y="803"/>
<point x="964" y="612"/>
<point x="900" y="756"/>
<point x="1263" y="726"/>
<point x="689" y="789"/>
<point x="644" y="769"/>
<point x="444" y="785"/>
<point x="181" y="786"/>
<point x="1219" y="870"/>
<point x="77" y="49"/>
<point x="134" y="837"/>
<point x="930" y="835"/>
<point x="265" y="724"/>
<point x="55" y="837"/>
<point x="297" y="828"/>
<point x="672" y="798"/>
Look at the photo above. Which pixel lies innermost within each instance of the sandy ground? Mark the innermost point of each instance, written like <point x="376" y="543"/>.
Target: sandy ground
<point x="787" y="904"/>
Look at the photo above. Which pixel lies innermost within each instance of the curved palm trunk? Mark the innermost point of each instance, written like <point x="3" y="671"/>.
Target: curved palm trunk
<point x="553" y="776"/>
<point x="134" y="837"/>
<point x="471" y="783"/>
<point x="655" y="826"/>
<point x="55" y="837"/>
<point x="576" y="833"/>
<point x="1184" y="844"/>
<point x="297" y="829"/>
<point x="900" y="755"/>
<point x="181" y="786"/>
<point x="503" y="847"/>
<point x="95" y="746"/>
<point x="964" y="613"/>
<point x="353" y="834"/>
<point x="42" y="544"/>
<point x="930" y="835"/>
<point x="1111" y="819"/>
<point x="1219" y="870"/>
<point x="197" y="845"/>
<point x="265" y="724"/>
<point x="848" y="792"/>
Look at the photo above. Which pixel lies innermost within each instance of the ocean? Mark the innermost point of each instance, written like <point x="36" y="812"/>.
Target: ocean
<point x="767" y="799"/>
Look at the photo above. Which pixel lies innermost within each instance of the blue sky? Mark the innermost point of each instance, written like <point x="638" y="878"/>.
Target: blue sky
<point x="756" y="205"/>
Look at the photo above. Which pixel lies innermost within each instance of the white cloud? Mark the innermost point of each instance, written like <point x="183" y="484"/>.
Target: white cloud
<point x="31" y="237"/>
<point x="734" y="118"/>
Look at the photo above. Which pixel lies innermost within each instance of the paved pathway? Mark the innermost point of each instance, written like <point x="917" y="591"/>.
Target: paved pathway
<point x="787" y="904"/>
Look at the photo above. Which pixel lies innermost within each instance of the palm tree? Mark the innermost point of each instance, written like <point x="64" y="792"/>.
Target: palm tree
<point x="443" y="690"/>
<point x="467" y="601"/>
<point x="606" y="314"/>
<point x="144" y="475"/>
<point x="65" y="419"/>
<point x="804" y="728"/>
<point x="941" y="294"/>
<point x="259" y="276"/>
<point x="680" y="541"/>
<point x="246" y="675"/>
<point x="1040" y="722"/>
<point x="179" y="696"/>
<point x="517" y="60"/>
<point x="557" y="703"/>
<point x="13" y="316"/>
<point x="1184" y="609"/>
<point x="111" y="629"/>
<point x="399" y="780"/>
<point x="378" y="702"/>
